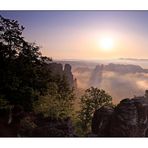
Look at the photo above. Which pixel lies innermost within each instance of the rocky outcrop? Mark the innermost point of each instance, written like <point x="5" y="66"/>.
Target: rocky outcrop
<point x="128" y="119"/>
<point x="57" y="69"/>
<point x="68" y="74"/>
<point x="121" y="68"/>
<point x="96" y="76"/>
<point x="16" y="123"/>
<point x="101" y="121"/>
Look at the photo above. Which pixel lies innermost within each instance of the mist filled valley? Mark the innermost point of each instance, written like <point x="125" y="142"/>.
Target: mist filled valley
<point x="121" y="78"/>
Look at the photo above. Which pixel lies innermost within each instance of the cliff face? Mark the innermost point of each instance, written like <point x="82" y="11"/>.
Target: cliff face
<point x="58" y="69"/>
<point x="128" y="119"/>
<point x="67" y="72"/>
<point x="120" y="68"/>
<point x="96" y="75"/>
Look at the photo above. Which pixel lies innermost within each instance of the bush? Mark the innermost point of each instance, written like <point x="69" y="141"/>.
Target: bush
<point x="92" y="100"/>
<point x="56" y="103"/>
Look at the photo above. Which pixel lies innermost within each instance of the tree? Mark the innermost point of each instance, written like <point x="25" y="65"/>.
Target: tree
<point x="58" y="102"/>
<point x="25" y="76"/>
<point x="23" y="70"/>
<point x="92" y="100"/>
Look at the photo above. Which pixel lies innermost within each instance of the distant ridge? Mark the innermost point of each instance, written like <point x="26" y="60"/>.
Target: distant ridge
<point x="133" y="59"/>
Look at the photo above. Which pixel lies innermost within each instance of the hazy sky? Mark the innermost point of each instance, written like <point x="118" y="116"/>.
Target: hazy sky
<point x="78" y="34"/>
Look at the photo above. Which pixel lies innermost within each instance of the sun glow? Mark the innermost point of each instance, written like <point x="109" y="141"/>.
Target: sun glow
<point x="106" y="44"/>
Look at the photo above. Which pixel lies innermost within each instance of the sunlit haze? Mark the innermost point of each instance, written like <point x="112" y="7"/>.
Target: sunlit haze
<point x="86" y="34"/>
<point x="106" y="44"/>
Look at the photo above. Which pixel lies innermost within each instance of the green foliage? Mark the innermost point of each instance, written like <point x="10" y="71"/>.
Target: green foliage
<point x="92" y="100"/>
<point x="77" y="123"/>
<point x="50" y="106"/>
<point x="58" y="102"/>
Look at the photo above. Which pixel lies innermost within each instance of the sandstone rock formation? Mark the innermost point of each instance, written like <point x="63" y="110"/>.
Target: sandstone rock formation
<point x="57" y="69"/>
<point x="101" y="121"/>
<point x="96" y="75"/>
<point x="68" y="74"/>
<point x="121" y="68"/>
<point x="128" y="119"/>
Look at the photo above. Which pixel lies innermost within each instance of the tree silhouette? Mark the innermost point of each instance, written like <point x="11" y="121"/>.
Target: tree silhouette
<point x="23" y="70"/>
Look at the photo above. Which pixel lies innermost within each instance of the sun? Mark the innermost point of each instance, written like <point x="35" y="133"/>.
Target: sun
<point x="106" y="44"/>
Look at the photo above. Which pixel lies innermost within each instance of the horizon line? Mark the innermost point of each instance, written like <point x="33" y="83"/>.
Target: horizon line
<point x="76" y="59"/>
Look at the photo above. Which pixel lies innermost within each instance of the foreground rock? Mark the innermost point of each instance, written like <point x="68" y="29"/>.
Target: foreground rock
<point x="47" y="127"/>
<point x="101" y="121"/>
<point x="14" y="122"/>
<point x="128" y="119"/>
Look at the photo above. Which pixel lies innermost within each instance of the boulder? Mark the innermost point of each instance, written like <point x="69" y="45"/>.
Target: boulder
<point x="101" y="121"/>
<point x="128" y="119"/>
